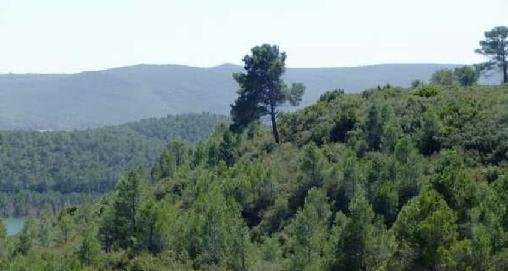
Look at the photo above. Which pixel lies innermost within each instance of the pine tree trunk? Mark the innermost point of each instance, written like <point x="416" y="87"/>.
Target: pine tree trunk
<point x="275" y="131"/>
<point x="505" y="76"/>
<point x="503" y="58"/>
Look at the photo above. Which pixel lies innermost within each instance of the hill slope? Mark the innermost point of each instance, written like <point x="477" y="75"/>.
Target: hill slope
<point x="98" y="98"/>
<point x="87" y="161"/>
<point x="390" y="179"/>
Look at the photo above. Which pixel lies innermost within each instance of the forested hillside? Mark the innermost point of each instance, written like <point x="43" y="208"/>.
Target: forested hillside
<point x="115" y="96"/>
<point x="50" y="168"/>
<point x="389" y="179"/>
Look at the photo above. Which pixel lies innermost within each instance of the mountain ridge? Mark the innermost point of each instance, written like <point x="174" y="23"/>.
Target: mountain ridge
<point x="92" y="99"/>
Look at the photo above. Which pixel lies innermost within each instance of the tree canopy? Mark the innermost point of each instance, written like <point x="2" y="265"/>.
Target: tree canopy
<point x="46" y="170"/>
<point x="386" y="179"/>
<point x="495" y="46"/>
<point x="262" y="89"/>
<point x="389" y="179"/>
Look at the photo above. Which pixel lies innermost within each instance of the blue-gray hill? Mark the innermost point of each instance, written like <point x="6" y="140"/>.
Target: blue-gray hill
<point x="114" y="96"/>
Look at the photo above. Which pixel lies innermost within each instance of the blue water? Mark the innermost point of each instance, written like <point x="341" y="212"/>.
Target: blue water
<point x="13" y="225"/>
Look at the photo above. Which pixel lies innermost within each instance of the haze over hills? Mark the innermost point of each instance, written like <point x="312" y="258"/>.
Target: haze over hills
<point x="114" y="96"/>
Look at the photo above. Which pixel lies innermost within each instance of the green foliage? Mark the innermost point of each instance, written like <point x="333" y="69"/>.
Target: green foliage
<point x="156" y="226"/>
<point x="374" y="128"/>
<point x="495" y="46"/>
<point x="227" y="149"/>
<point x="467" y="76"/>
<point x="345" y="122"/>
<point x="426" y="232"/>
<point x="387" y="180"/>
<point x="118" y="228"/>
<point x="90" y="249"/>
<point x="386" y="200"/>
<point x="363" y="244"/>
<point x="43" y="170"/>
<point x="215" y="232"/>
<point x="463" y="76"/>
<point x="331" y="95"/>
<point x="262" y="89"/>
<point x="417" y="83"/>
<point x="428" y="136"/>
<point x="65" y="225"/>
<point x="443" y="77"/>
<point x="427" y="91"/>
<point x="312" y="166"/>
<point x="309" y="229"/>
<point x="26" y="239"/>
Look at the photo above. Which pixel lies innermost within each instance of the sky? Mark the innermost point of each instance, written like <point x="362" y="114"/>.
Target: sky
<point x="66" y="36"/>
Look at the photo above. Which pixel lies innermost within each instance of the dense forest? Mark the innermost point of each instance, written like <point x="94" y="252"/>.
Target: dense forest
<point x="389" y="179"/>
<point x="49" y="169"/>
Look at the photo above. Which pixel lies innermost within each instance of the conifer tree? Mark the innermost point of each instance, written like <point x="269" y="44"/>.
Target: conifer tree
<point x="374" y="128"/>
<point x="495" y="46"/>
<point x="262" y="89"/>
<point x="90" y="249"/>
<point x="426" y="231"/>
<point x="118" y="227"/>
<point x="308" y="231"/>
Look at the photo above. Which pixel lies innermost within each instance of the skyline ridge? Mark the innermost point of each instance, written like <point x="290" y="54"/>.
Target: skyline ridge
<point x="236" y="65"/>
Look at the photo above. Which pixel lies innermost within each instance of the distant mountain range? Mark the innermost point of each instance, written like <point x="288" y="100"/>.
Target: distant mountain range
<point x="114" y="96"/>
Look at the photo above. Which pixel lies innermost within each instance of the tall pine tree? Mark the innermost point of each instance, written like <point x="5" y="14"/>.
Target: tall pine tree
<point x="262" y="89"/>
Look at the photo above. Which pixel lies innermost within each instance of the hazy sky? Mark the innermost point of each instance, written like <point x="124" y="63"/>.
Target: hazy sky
<point x="50" y="36"/>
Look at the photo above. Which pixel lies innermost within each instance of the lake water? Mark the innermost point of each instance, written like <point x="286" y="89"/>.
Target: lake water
<point x="13" y="225"/>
